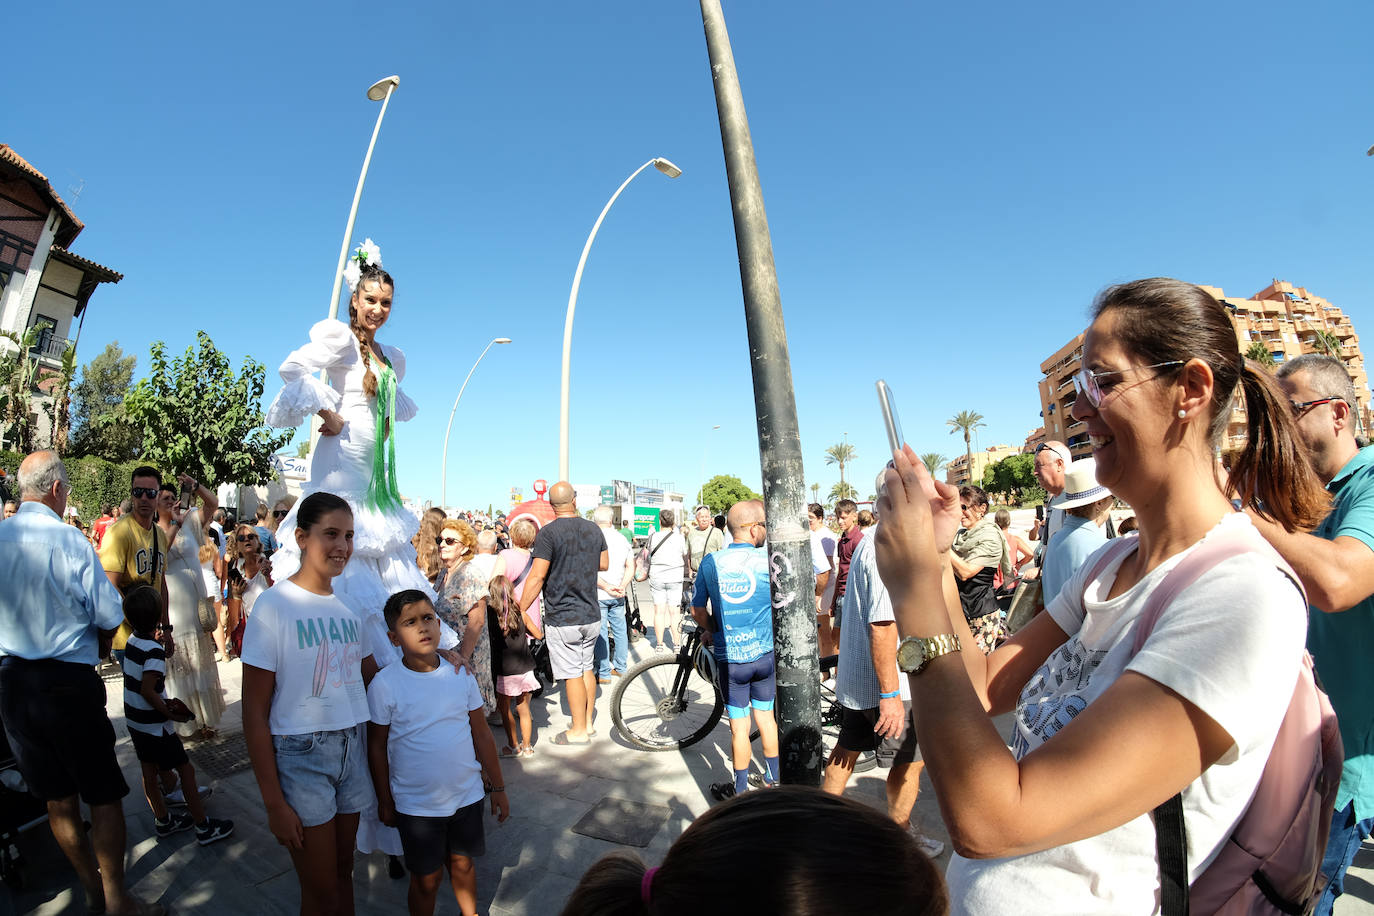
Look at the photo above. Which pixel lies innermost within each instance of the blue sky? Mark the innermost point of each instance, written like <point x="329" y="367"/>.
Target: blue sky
<point x="947" y="188"/>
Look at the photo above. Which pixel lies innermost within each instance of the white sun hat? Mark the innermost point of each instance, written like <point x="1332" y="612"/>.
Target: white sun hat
<point x="1080" y="486"/>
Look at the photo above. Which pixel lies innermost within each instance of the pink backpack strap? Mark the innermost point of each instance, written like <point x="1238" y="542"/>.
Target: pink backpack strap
<point x="1106" y="556"/>
<point x="1221" y="546"/>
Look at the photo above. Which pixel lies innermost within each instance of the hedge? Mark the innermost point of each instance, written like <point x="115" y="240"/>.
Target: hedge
<point x="95" y="482"/>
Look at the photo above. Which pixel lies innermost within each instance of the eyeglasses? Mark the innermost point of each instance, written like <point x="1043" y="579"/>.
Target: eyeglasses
<point x="447" y="542"/>
<point x="279" y="513"/>
<point x="143" y="492"/>
<point x="1302" y="407"/>
<point x="248" y="537"/>
<point x="1087" y="384"/>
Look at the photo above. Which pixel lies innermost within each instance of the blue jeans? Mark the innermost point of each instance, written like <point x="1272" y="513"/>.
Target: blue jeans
<point x="1341" y="846"/>
<point x="612" y="616"/>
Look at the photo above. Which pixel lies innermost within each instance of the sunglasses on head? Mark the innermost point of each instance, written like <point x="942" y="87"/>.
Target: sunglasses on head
<point x="144" y="492"/>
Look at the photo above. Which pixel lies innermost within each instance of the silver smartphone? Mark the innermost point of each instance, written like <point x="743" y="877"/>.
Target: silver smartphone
<point x="890" y="420"/>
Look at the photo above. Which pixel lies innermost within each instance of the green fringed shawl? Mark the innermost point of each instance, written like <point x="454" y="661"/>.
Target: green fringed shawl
<point x="383" y="494"/>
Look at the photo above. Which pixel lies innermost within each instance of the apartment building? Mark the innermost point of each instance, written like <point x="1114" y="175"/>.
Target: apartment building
<point x="956" y="472"/>
<point x="1282" y="320"/>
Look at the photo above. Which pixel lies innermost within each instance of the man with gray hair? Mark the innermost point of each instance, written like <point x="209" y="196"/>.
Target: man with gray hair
<point x="58" y="612"/>
<point x="485" y="557"/>
<point x="610" y="594"/>
<point x="1336" y="565"/>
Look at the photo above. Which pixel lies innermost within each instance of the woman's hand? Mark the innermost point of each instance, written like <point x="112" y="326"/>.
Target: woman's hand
<point x="285" y="825"/>
<point x="331" y="423"/>
<point x="458" y="662"/>
<point x="919" y="520"/>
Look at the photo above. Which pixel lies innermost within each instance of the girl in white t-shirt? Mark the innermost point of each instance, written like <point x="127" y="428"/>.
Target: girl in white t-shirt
<point x="1060" y="823"/>
<point x="305" y="664"/>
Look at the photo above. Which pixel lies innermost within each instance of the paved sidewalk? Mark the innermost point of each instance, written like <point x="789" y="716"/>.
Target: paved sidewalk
<point x="533" y="860"/>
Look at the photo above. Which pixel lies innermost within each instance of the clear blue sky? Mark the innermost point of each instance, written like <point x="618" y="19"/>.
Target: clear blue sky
<point x="947" y="187"/>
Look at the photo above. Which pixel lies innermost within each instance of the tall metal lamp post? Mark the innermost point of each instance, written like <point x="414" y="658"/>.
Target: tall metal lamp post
<point x="379" y="91"/>
<point x="444" y="472"/>
<point x="790" y="580"/>
<point x="672" y="171"/>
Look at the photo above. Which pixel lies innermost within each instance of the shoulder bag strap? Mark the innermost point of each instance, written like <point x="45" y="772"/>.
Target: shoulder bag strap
<point x="665" y="540"/>
<point x="529" y="561"/>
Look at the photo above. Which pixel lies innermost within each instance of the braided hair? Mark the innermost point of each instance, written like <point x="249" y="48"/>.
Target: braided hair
<point x="370" y="274"/>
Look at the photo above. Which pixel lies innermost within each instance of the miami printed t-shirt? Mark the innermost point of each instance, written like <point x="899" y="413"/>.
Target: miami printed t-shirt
<point x="434" y="769"/>
<point x="315" y="644"/>
<point x="736" y="581"/>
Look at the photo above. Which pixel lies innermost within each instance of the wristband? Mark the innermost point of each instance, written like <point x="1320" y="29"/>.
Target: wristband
<point x="495" y="789"/>
<point x="889" y="696"/>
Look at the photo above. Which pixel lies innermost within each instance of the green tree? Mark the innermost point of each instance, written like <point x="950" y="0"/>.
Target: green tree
<point x="843" y="490"/>
<point x="840" y="453"/>
<point x="968" y="421"/>
<point x="100" y="425"/>
<point x="723" y="491"/>
<point x="815" y="492"/>
<point x="199" y="418"/>
<point x="1013" y="478"/>
<point x="303" y="449"/>
<point x="18" y="375"/>
<point x="934" y="461"/>
<point x="1260" y="353"/>
<point x="1328" y="343"/>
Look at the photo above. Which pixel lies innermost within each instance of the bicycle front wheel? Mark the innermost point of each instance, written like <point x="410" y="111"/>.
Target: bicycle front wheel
<point x="662" y="704"/>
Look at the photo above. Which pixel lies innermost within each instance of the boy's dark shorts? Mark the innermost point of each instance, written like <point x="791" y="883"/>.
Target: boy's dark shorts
<point x="164" y="750"/>
<point x="857" y="734"/>
<point x="429" y="841"/>
<point x="55" y="721"/>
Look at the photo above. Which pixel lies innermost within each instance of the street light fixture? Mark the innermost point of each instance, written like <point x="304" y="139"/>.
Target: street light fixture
<point x="379" y="91"/>
<point x="444" y="470"/>
<point x="672" y="171"/>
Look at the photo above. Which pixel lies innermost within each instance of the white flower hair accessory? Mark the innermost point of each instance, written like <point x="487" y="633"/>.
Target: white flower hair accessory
<point x="365" y="254"/>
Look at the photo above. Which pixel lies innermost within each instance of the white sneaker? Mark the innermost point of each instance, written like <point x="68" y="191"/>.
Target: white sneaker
<point x="931" y="848"/>
<point x="177" y="799"/>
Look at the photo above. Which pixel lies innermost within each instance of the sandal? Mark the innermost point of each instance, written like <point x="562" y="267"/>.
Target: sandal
<point x="562" y="740"/>
<point x="508" y="751"/>
<point x="526" y="751"/>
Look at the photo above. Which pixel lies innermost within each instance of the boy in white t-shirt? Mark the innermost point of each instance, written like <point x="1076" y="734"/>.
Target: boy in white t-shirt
<point x="427" y="745"/>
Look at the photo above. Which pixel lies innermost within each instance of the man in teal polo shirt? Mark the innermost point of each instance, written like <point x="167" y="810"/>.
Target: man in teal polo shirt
<point x="1336" y="565"/>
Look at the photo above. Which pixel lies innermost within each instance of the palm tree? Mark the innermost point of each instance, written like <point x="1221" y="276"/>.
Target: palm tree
<point x="843" y="490"/>
<point x="62" y="401"/>
<point x="840" y="453"/>
<point x="1327" y="343"/>
<point x="815" y="492"/>
<point x="933" y="462"/>
<point x="1260" y="353"/>
<point x="968" y="421"/>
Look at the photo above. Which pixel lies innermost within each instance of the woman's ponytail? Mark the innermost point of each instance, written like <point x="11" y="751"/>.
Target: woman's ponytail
<point x="1272" y="474"/>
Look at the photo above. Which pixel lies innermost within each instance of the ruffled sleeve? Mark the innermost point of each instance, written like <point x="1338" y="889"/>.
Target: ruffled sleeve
<point x="406" y="409"/>
<point x="331" y="344"/>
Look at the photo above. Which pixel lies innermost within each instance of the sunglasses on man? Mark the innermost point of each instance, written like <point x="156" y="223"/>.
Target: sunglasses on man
<point x="143" y="492"/>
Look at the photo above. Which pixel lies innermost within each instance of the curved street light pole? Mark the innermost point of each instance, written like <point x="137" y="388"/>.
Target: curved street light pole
<point x="672" y="171"/>
<point x="444" y="469"/>
<point x="379" y="91"/>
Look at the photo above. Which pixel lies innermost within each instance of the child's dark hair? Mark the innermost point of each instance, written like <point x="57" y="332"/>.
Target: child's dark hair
<point x="501" y="601"/>
<point x="143" y="608"/>
<point x="807" y="852"/>
<point x="391" y="611"/>
<point x="316" y="506"/>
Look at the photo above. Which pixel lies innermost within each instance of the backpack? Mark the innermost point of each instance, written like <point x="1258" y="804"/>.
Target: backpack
<point x="644" y="560"/>
<point x="1271" y="862"/>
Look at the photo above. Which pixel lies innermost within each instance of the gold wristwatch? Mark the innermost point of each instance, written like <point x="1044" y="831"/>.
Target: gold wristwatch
<point x="915" y="652"/>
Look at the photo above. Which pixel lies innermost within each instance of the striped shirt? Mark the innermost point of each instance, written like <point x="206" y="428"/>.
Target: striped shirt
<point x="142" y="655"/>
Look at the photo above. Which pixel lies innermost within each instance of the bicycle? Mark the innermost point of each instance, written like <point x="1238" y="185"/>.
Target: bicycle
<point x="670" y="702"/>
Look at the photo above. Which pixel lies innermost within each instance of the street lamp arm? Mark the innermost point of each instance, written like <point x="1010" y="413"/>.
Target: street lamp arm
<point x="449" y="429"/>
<point x="568" y="322"/>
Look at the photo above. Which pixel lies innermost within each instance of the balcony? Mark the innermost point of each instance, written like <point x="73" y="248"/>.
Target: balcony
<point x="49" y="347"/>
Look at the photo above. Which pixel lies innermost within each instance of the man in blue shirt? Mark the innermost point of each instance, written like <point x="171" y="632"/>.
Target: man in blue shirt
<point x="1336" y="565"/>
<point x="1086" y="505"/>
<point x="739" y="629"/>
<point x="58" y="612"/>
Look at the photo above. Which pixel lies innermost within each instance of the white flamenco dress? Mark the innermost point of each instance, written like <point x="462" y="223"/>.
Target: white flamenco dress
<point x="353" y="466"/>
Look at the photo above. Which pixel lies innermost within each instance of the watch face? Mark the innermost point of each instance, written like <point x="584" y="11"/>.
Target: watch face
<point x="909" y="655"/>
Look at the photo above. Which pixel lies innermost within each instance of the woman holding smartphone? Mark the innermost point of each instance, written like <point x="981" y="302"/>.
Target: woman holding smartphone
<point x="1060" y="821"/>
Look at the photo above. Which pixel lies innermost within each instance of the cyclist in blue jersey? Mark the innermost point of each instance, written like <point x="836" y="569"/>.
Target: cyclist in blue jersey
<point x="739" y="629"/>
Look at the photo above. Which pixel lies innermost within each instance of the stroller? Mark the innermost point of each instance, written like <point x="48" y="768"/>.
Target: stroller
<point x="19" y="812"/>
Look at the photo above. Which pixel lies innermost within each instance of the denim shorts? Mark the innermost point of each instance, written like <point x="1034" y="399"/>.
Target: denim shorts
<point x="324" y="774"/>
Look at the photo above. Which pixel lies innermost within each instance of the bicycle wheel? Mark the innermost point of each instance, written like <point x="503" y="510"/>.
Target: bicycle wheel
<point x="662" y="704"/>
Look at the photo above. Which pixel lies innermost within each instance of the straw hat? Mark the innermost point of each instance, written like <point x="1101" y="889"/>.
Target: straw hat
<point x="1080" y="486"/>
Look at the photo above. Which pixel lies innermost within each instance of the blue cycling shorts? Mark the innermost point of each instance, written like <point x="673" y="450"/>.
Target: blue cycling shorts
<point x="748" y="684"/>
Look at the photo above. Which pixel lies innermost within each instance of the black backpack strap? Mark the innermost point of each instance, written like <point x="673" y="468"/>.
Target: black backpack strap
<point x="1171" y="845"/>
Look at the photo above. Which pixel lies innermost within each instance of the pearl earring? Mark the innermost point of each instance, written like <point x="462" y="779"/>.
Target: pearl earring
<point x="1182" y="413"/>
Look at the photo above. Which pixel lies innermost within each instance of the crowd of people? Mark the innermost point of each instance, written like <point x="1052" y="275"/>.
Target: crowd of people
<point x="379" y="650"/>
